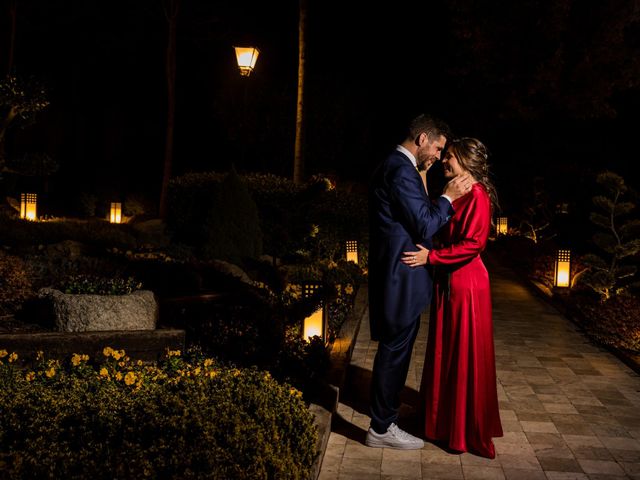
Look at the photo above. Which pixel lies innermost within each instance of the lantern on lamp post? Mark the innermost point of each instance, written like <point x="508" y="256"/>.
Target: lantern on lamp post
<point x="246" y="58"/>
<point x="352" y="251"/>
<point x="502" y="226"/>
<point x="115" y="214"/>
<point x="562" y="277"/>
<point x="28" y="206"/>
<point x="317" y="323"/>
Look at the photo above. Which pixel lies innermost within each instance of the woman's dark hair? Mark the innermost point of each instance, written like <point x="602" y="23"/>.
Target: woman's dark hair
<point x="473" y="156"/>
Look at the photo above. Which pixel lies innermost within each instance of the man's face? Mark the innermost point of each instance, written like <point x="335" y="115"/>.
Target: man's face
<point x="429" y="152"/>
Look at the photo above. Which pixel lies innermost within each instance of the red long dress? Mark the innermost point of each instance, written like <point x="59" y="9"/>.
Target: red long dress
<point x="459" y="377"/>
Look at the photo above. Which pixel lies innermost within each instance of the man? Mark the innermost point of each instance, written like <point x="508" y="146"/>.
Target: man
<point x="401" y="216"/>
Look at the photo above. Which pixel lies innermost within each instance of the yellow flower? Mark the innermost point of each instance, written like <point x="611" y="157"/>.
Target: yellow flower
<point x="348" y="289"/>
<point x="130" y="378"/>
<point x="3" y="353"/>
<point x="197" y="371"/>
<point x="121" y="364"/>
<point x="75" y="359"/>
<point x="173" y="353"/>
<point x="139" y="363"/>
<point x="107" y="351"/>
<point x="118" y="376"/>
<point x="117" y="354"/>
<point x="40" y="355"/>
<point x="314" y="230"/>
<point x="104" y="372"/>
<point x="213" y="374"/>
<point x="13" y="357"/>
<point x="50" y="373"/>
<point x="30" y="376"/>
<point x="85" y="358"/>
<point x="208" y="362"/>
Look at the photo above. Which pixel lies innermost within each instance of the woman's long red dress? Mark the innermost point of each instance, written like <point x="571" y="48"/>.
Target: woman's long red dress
<point x="459" y="377"/>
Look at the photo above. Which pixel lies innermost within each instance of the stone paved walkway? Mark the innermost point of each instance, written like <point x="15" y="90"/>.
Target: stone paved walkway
<point x="570" y="410"/>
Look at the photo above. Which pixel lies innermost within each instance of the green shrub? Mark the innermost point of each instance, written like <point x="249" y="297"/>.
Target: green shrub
<point x="15" y="232"/>
<point x="91" y="284"/>
<point x="182" y="419"/>
<point x="231" y="225"/>
<point x="15" y="283"/>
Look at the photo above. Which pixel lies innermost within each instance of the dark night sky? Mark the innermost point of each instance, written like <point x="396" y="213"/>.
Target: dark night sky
<point x="551" y="87"/>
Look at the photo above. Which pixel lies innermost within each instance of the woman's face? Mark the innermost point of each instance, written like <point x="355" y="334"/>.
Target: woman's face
<point x="451" y="166"/>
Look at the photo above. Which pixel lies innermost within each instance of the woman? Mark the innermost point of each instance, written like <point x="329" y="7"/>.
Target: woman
<point x="459" y="377"/>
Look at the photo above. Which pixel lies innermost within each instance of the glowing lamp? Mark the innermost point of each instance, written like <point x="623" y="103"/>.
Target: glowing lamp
<point x="563" y="269"/>
<point x="501" y="226"/>
<point x="115" y="215"/>
<point x="246" y="57"/>
<point x="28" y="206"/>
<point x="317" y="323"/>
<point x="352" y="251"/>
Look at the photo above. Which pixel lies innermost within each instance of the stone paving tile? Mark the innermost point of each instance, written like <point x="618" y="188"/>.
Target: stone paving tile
<point x="569" y="410"/>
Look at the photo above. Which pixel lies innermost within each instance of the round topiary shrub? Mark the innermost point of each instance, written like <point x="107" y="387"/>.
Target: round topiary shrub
<point x="181" y="419"/>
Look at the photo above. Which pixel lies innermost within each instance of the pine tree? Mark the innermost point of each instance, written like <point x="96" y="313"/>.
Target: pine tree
<point x="611" y="274"/>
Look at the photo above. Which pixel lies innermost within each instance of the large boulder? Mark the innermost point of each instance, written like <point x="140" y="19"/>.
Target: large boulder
<point x="90" y="313"/>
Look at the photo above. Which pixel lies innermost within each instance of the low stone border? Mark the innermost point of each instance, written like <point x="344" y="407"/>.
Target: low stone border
<point x="340" y="357"/>
<point x="145" y="345"/>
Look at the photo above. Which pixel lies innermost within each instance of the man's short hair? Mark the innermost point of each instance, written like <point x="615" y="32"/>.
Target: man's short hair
<point x="433" y="127"/>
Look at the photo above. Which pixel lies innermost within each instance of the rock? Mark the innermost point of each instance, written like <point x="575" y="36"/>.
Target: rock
<point x="90" y="313"/>
<point x="231" y="269"/>
<point x="67" y="249"/>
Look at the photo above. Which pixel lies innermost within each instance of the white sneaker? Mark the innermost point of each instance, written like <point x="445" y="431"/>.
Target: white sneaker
<point x="393" y="438"/>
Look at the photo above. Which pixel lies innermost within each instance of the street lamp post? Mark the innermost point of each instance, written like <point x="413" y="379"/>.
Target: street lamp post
<point x="246" y="58"/>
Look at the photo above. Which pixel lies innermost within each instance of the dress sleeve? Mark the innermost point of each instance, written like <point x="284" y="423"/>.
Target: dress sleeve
<point x="471" y="238"/>
<point x="421" y="218"/>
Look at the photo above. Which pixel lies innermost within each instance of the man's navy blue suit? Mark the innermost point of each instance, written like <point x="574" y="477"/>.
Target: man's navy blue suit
<point x="401" y="216"/>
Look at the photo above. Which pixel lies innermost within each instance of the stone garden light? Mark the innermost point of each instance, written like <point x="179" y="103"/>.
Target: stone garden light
<point x="115" y="215"/>
<point x="28" y="206"/>
<point x="317" y="323"/>
<point x="246" y="57"/>
<point x="352" y="251"/>
<point x="501" y="226"/>
<point x="562" y="277"/>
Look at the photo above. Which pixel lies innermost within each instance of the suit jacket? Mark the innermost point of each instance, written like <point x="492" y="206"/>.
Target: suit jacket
<point x="401" y="216"/>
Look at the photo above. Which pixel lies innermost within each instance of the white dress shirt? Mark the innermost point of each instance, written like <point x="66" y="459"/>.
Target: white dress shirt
<point x="402" y="149"/>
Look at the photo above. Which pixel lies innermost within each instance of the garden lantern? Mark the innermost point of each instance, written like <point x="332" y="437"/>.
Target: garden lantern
<point x="352" y="251"/>
<point x="28" y="206"/>
<point x="116" y="212"/>
<point x="562" y="277"/>
<point x="318" y="321"/>
<point x="501" y="226"/>
<point x="246" y="57"/>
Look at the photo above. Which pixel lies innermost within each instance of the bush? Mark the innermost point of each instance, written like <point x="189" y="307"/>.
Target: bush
<point x="91" y="284"/>
<point x="182" y="419"/>
<point x="216" y="214"/>
<point x="15" y="284"/>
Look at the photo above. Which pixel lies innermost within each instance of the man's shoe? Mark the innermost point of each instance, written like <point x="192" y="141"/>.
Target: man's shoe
<point x="393" y="438"/>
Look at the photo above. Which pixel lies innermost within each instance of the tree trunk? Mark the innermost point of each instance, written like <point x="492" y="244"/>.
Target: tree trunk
<point x="298" y="160"/>
<point x="12" y="34"/>
<point x="171" y="13"/>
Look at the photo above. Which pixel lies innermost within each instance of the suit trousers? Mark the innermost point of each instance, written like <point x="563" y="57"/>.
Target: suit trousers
<point x="390" y="369"/>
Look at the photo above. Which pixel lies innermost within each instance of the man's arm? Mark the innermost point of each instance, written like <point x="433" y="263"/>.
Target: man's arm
<point x="422" y="218"/>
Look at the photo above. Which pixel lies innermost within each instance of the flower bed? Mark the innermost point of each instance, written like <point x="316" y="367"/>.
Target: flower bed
<point x="184" y="418"/>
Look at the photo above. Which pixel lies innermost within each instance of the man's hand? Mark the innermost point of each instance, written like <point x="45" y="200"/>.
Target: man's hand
<point x="459" y="186"/>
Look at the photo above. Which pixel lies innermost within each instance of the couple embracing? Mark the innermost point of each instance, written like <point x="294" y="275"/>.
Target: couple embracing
<point x="407" y="273"/>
